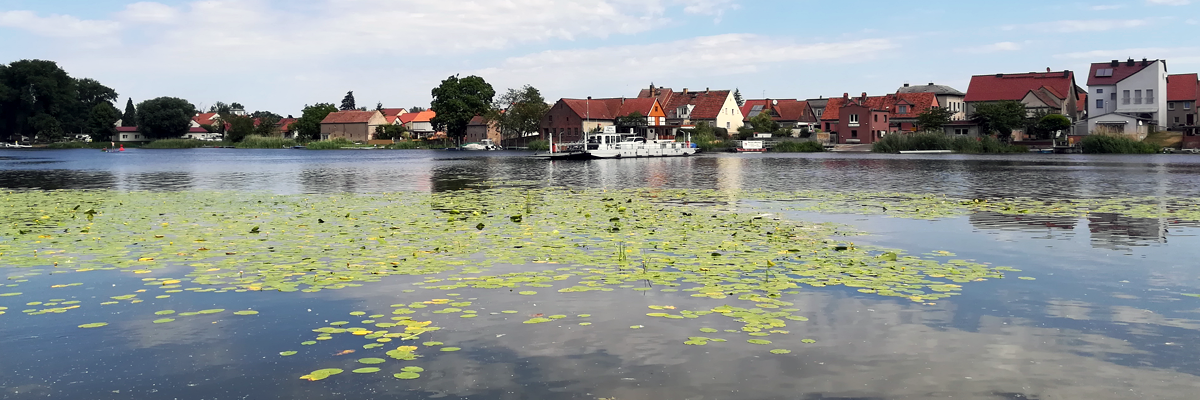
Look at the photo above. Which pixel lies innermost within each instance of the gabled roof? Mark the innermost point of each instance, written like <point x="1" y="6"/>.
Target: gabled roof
<point x="930" y="88"/>
<point x="608" y="109"/>
<point x="663" y="94"/>
<point x="205" y="118"/>
<point x="1109" y="73"/>
<point x="127" y="129"/>
<point x="349" y="117"/>
<point x="916" y="104"/>
<point x="286" y="123"/>
<point x="406" y="118"/>
<point x="197" y="130"/>
<point x="784" y="109"/>
<point x="1183" y="87"/>
<point x="1001" y="87"/>
<point x="392" y="112"/>
<point x="707" y="104"/>
<point x="1048" y="97"/>
<point x="423" y="116"/>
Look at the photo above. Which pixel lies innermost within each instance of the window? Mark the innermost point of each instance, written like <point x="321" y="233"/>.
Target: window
<point x="551" y="118"/>
<point x="1112" y="97"/>
<point x="961" y="131"/>
<point x="1099" y="91"/>
<point x="1125" y="97"/>
<point x="854" y="133"/>
<point x="903" y="109"/>
<point x="1171" y="106"/>
<point x="124" y="136"/>
<point x="1099" y="103"/>
<point x="728" y="125"/>
<point x="854" y="118"/>
<point x="1177" y="120"/>
<point x="1149" y="96"/>
<point x="1104" y="72"/>
<point x="876" y="117"/>
<point x="884" y="118"/>
<point x="1137" y="97"/>
<point x="1187" y="105"/>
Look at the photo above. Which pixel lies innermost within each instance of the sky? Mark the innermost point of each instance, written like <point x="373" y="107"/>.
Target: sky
<point x="280" y="55"/>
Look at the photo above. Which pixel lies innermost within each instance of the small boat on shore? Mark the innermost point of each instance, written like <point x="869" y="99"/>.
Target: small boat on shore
<point x="750" y="146"/>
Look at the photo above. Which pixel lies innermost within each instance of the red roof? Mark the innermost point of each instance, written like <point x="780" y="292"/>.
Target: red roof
<point x="409" y="117"/>
<point x="1015" y="86"/>
<point x="1183" y="87"/>
<point x="392" y="112"/>
<point x="708" y="104"/>
<point x="916" y="104"/>
<point x="127" y="129"/>
<point x="1115" y="73"/>
<point x="423" y="116"/>
<point x="286" y="123"/>
<point x="785" y="109"/>
<point x="607" y="109"/>
<point x="349" y="117"/>
<point x="205" y="119"/>
<point x="197" y="130"/>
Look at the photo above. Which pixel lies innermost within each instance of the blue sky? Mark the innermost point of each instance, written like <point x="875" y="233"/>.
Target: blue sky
<point x="281" y="55"/>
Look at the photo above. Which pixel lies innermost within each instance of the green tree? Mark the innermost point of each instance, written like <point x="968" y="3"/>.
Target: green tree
<point x="737" y="96"/>
<point x="626" y="123"/>
<point x="763" y="123"/>
<point x="46" y="128"/>
<point x="240" y="126"/>
<point x="265" y="114"/>
<point x="1053" y="123"/>
<point x="934" y="118"/>
<point x="391" y="132"/>
<point x="348" y="102"/>
<point x="416" y="109"/>
<point x="89" y="93"/>
<point x="457" y="101"/>
<point x="101" y="122"/>
<point x="267" y="124"/>
<point x="32" y="94"/>
<point x="165" y="117"/>
<point x="518" y="111"/>
<point x="308" y="126"/>
<point x="130" y="116"/>
<point x="999" y="117"/>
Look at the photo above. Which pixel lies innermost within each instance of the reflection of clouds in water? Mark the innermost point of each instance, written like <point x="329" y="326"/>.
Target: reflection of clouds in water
<point x="1070" y="309"/>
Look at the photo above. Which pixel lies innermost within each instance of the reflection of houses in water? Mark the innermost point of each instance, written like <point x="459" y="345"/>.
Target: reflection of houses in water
<point x="1115" y="231"/>
<point x="1052" y="226"/>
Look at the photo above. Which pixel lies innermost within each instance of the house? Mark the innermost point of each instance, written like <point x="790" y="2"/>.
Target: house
<point x="479" y="129"/>
<point x="285" y="128"/>
<point x="857" y="120"/>
<point x="420" y="124"/>
<point x="568" y="119"/>
<point x="793" y="114"/>
<point x="393" y="112"/>
<point x="947" y="97"/>
<point x="904" y="108"/>
<point x="818" y="106"/>
<point x="200" y="120"/>
<point x="1137" y="90"/>
<point x="128" y="134"/>
<point x="717" y="108"/>
<point x="1183" y="91"/>
<point x="355" y="126"/>
<point x="1048" y="92"/>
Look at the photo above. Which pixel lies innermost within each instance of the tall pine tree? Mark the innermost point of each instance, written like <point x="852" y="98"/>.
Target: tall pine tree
<point x="348" y="102"/>
<point x="737" y="96"/>
<point x="130" y="116"/>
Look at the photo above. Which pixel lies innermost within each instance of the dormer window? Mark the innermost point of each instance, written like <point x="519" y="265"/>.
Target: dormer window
<point x="854" y="118"/>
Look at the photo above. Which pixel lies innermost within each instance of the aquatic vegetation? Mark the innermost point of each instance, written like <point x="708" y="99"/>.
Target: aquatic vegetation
<point x="407" y="375"/>
<point x="690" y="243"/>
<point x="321" y="374"/>
<point x="94" y="325"/>
<point x="287" y="353"/>
<point x="781" y="351"/>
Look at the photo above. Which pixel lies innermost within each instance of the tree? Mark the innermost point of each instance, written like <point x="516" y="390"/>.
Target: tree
<point x="763" y="123"/>
<point x="308" y="127"/>
<point x="379" y="106"/>
<point x="1051" y="124"/>
<point x="130" y="116"/>
<point x="999" y="117"/>
<point x="416" y="109"/>
<point x="267" y="124"/>
<point x="934" y="118"/>
<point x="518" y="111"/>
<point x="46" y="128"/>
<point x="737" y="96"/>
<point x="457" y="101"/>
<point x="89" y="93"/>
<point x="348" y="102"/>
<point x="391" y="132"/>
<point x="240" y="126"/>
<point x="265" y="114"/>
<point x="165" y="117"/>
<point x="30" y="89"/>
<point x="101" y="122"/>
<point x="220" y="108"/>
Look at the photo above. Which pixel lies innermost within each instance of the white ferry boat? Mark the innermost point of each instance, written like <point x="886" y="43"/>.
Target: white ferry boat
<point x="613" y="145"/>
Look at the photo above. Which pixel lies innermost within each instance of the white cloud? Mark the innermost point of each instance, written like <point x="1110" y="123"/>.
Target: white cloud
<point x="149" y="12"/>
<point x="708" y="7"/>
<point x="991" y="48"/>
<point x="719" y="55"/>
<point x="1170" y="2"/>
<point x="1136" y="53"/>
<point x="1073" y="26"/>
<point x="60" y="26"/>
<point x="1106" y="7"/>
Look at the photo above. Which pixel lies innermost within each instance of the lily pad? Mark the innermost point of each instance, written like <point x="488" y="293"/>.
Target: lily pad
<point x="407" y="375"/>
<point x="245" y="312"/>
<point x="321" y="374"/>
<point x="450" y="349"/>
<point x="287" y="353"/>
<point x="527" y="293"/>
<point x="371" y="361"/>
<point x="367" y="370"/>
<point x="758" y="341"/>
<point x="164" y="320"/>
<point x="413" y="369"/>
<point x="165" y="312"/>
<point x="780" y="351"/>
<point x="94" y="325"/>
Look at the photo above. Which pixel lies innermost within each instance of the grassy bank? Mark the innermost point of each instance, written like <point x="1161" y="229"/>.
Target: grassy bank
<point x="539" y="145"/>
<point x="1104" y="144"/>
<point x="260" y="142"/>
<point x="798" y="147"/>
<point x="180" y="144"/>
<point x="895" y="143"/>
<point x="334" y="144"/>
<point x="81" y="145"/>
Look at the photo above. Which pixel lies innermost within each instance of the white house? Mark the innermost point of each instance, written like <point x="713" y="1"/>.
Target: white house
<point x="1135" y="90"/>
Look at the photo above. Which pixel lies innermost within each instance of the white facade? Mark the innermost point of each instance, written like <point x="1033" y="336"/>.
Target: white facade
<point x="1116" y="123"/>
<point x="1144" y="92"/>
<point x="730" y="117"/>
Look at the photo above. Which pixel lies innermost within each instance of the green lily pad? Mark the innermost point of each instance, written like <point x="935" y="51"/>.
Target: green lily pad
<point x="407" y="375"/>
<point x="245" y="312"/>
<point x="308" y="343"/>
<point x="449" y="349"/>
<point x="527" y="293"/>
<point x="371" y="361"/>
<point x="165" y="312"/>
<point x="94" y="325"/>
<point x="432" y="344"/>
<point x="413" y="369"/>
<point x="212" y="311"/>
<point x="758" y="341"/>
<point x="809" y="341"/>
<point x="321" y="374"/>
<point x="287" y="353"/>
<point x="780" y="351"/>
<point x="164" y="320"/>
<point x="367" y="370"/>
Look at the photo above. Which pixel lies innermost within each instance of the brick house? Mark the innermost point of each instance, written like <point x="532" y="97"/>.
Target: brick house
<point x="717" y="108"/>
<point x="1183" y="91"/>
<point x="569" y="119"/>
<point x="479" y="129"/>
<point x="794" y="114"/>
<point x="1051" y="92"/>
<point x="355" y="126"/>
<point x="857" y="120"/>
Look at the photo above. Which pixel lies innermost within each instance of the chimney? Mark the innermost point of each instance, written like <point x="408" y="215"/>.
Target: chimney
<point x="846" y="96"/>
<point x="1130" y="62"/>
<point x="999" y="75"/>
<point x="705" y="90"/>
<point x="622" y="101"/>
<point x="1145" y="63"/>
<point x="1115" y="63"/>
<point x="905" y="84"/>
<point x="684" y="90"/>
<point x="1047" y="70"/>
<point x="930" y="83"/>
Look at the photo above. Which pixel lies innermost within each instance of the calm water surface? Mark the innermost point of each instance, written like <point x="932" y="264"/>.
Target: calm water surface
<point x="1103" y="320"/>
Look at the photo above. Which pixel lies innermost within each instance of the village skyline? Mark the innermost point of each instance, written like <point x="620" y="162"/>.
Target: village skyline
<point x="280" y="56"/>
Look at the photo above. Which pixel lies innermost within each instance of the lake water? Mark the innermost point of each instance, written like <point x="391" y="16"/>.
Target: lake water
<point x="1106" y="315"/>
